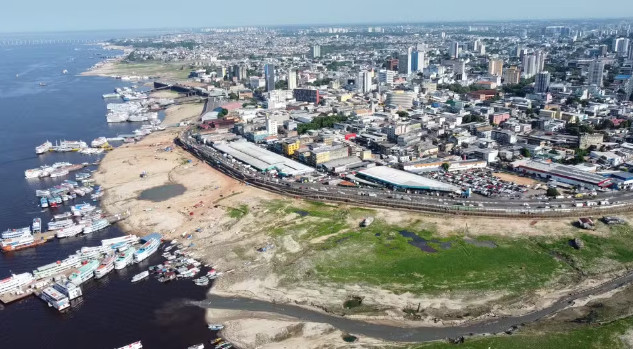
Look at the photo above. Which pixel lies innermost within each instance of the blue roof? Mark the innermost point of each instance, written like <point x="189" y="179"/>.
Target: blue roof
<point x="622" y="77"/>
<point x="151" y="236"/>
<point x="624" y="176"/>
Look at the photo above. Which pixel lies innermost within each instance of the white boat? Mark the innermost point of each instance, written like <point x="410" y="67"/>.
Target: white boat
<point x="116" y="117"/>
<point x="196" y="346"/>
<point x="61" y="224"/>
<point x="107" y="265"/>
<point x="124" y="258"/>
<point x="85" y="272"/>
<point x="51" y="269"/>
<point x="73" y="230"/>
<point x="111" y="95"/>
<point x="14" y="233"/>
<point x="15" y="242"/>
<point x="42" y="193"/>
<point x="82" y="209"/>
<point x="148" y="248"/>
<point x="62" y="216"/>
<point x="54" y="298"/>
<point x="130" y="239"/>
<point x="43" y="148"/>
<point x="140" y="276"/>
<point x="215" y="327"/>
<point x="33" y="173"/>
<point x="36" y="227"/>
<point x="93" y="252"/>
<point x="96" y="226"/>
<point x="135" y="345"/>
<point x="59" y="173"/>
<point x="15" y="281"/>
<point x="99" y="142"/>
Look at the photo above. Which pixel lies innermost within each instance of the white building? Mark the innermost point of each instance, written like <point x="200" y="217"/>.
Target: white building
<point x="453" y="50"/>
<point x="271" y="126"/>
<point x="596" y="73"/>
<point x="386" y="76"/>
<point x="292" y="79"/>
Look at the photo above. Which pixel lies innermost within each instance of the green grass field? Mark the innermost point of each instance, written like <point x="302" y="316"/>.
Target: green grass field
<point x="380" y="256"/>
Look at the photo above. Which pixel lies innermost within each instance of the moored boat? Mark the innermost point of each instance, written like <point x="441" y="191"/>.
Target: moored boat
<point x="71" y="231"/>
<point x="146" y="250"/>
<point x="43" y="148"/>
<point x="140" y="276"/>
<point x="15" y="281"/>
<point x="135" y="345"/>
<point x="124" y="258"/>
<point x="36" y="227"/>
<point x="96" y="226"/>
<point x="106" y="266"/>
<point x="84" y="273"/>
<point x="14" y="233"/>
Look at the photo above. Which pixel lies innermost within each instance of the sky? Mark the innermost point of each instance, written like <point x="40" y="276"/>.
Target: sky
<point x="79" y="15"/>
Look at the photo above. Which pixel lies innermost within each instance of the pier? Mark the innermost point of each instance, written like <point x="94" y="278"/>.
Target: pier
<point x="35" y="287"/>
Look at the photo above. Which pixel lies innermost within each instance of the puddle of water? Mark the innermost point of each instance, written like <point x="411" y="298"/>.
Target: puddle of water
<point x="417" y="241"/>
<point x="162" y="193"/>
<point x="302" y="213"/>
<point x="477" y="243"/>
<point x="349" y="338"/>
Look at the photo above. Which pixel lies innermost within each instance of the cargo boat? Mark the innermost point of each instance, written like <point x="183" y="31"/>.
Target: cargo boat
<point x="85" y="272"/>
<point x="15" y="281"/>
<point x="82" y="209"/>
<point x="55" y="268"/>
<point x="124" y="258"/>
<point x="54" y="298"/>
<point x="96" y="226"/>
<point x="107" y="265"/>
<point x="43" y="203"/>
<point x="20" y="243"/>
<point x="148" y="248"/>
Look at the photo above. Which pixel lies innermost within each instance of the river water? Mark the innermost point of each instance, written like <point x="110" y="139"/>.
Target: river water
<point x="113" y="312"/>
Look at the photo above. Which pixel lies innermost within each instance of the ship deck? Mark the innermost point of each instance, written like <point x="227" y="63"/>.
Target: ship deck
<point x="31" y="289"/>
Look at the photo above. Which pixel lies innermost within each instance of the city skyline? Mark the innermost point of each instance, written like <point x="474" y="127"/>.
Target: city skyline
<point x="73" y="15"/>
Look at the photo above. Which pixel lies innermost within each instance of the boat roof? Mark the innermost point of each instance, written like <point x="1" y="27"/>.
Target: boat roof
<point x="156" y="236"/>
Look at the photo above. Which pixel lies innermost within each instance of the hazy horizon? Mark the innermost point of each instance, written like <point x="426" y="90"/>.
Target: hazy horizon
<point x="73" y="15"/>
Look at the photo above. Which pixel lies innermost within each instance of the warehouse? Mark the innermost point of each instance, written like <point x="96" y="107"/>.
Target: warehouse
<point x="563" y="173"/>
<point x="398" y="179"/>
<point x="262" y="159"/>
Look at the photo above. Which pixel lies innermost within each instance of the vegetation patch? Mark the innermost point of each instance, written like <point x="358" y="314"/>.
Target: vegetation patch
<point x="238" y="212"/>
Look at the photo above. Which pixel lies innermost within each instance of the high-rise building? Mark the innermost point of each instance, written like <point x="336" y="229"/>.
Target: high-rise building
<point x="476" y="45"/>
<point x="512" y="76"/>
<point x="495" y="67"/>
<point x="292" y="79"/>
<point x="541" y="82"/>
<point x="621" y="46"/>
<point x="271" y="126"/>
<point x="404" y="65"/>
<point x="240" y="72"/>
<point x="386" y="76"/>
<point x="453" y="50"/>
<point x="417" y="61"/>
<point x="392" y="64"/>
<point x="269" y="73"/>
<point x="529" y="66"/>
<point x="315" y="51"/>
<point x="460" y="70"/>
<point x="540" y="60"/>
<point x="364" y="78"/>
<point x="596" y="73"/>
<point x="220" y="72"/>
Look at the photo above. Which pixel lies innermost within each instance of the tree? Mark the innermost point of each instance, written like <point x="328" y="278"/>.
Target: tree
<point x="233" y="96"/>
<point x="446" y="166"/>
<point x="552" y="192"/>
<point x="403" y="114"/>
<point x="525" y="152"/>
<point x="223" y="113"/>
